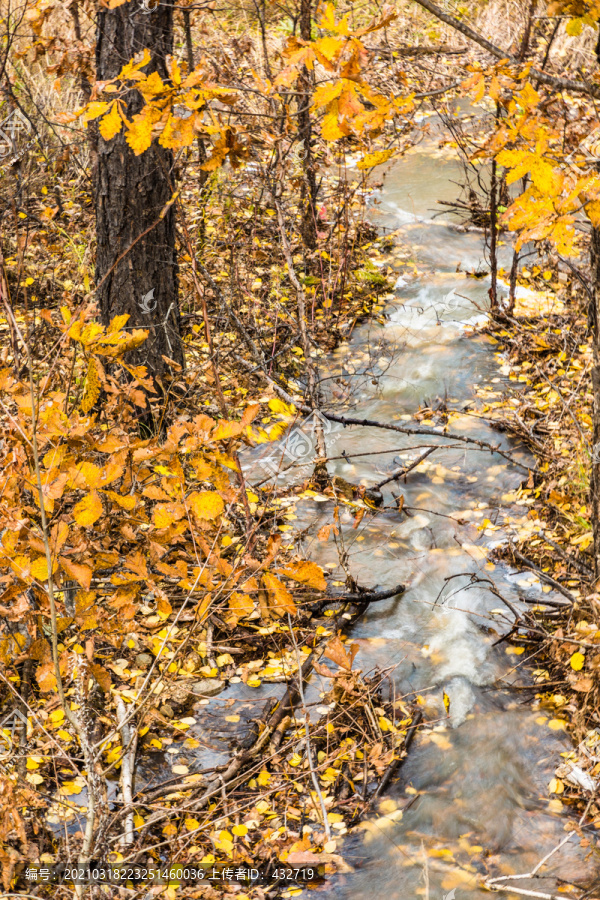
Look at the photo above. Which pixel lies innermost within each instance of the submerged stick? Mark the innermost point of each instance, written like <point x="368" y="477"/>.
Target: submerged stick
<point x="404" y="470"/>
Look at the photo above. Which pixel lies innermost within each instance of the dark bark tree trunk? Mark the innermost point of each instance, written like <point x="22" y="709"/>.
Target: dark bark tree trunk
<point x="136" y="247"/>
<point x="595" y="466"/>
<point x="308" y="226"/>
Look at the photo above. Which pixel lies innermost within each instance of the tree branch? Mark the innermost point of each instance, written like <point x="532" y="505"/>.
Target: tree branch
<point x="561" y="84"/>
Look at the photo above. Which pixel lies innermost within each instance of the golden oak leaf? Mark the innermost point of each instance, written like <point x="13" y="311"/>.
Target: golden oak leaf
<point x="593" y="211"/>
<point x="305" y="572"/>
<point x="206" y="504"/>
<point x="281" y="601"/>
<point x="134" y="65"/>
<point x="88" y="510"/>
<point x="139" y="133"/>
<point x="327" y="93"/>
<point x="95" y="109"/>
<point x="111" y="123"/>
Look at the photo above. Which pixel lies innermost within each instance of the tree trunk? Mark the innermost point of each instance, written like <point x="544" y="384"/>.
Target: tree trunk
<point x="136" y="262"/>
<point x="595" y="467"/>
<point x="308" y="225"/>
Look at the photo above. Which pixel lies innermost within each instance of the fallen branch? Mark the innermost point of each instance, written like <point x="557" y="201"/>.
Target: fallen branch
<point x="406" y="429"/>
<point x="493" y="883"/>
<point x="527" y="563"/>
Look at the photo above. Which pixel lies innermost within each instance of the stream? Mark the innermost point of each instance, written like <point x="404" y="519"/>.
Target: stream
<point x="472" y="796"/>
<point x="474" y="787"/>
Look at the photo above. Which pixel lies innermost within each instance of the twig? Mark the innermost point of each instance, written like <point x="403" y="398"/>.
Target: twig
<point x="406" y="429"/>
<point x="577" y="564"/>
<point x="313" y="774"/>
<point x="129" y="744"/>
<point x="396" y="763"/>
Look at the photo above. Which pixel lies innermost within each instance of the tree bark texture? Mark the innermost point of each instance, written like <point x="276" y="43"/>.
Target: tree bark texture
<point x="136" y="255"/>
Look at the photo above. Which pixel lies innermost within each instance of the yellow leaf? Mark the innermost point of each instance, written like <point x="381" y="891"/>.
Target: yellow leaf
<point x="278" y="406"/>
<point x="446" y="703"/>
<point x="111" y="123"/>
<point x="557" y="724"/>
<point x="125" y="502"/>
<point x="330" y="129"/>
<point x="206" y="504"/>
<point x="94" y="109"/>
<point x="240" y="830"/>
<point x="92" y="387"/>
<point x="192" y="824"/>
<point x="88" y="510"/>
<point x="556" y="786"/>
<point x="264" y="778"/>
<point x="226" y="430"/>
<point x="39" y="568"/>
<point x="577" y="660"/>
<point x="370" y="160"/>
<point x="70" y="787"/>
<point x="139" y="133"/>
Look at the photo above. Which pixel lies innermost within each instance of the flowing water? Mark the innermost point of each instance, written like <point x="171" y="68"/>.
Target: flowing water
<point x="473" y="792"/>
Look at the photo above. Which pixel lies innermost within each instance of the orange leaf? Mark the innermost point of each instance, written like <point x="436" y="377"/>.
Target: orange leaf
<point x="281" y="601"/>
<point x="336" y="652"/>
<point x="305" y="572"/>
<point x="79" y="573"/>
